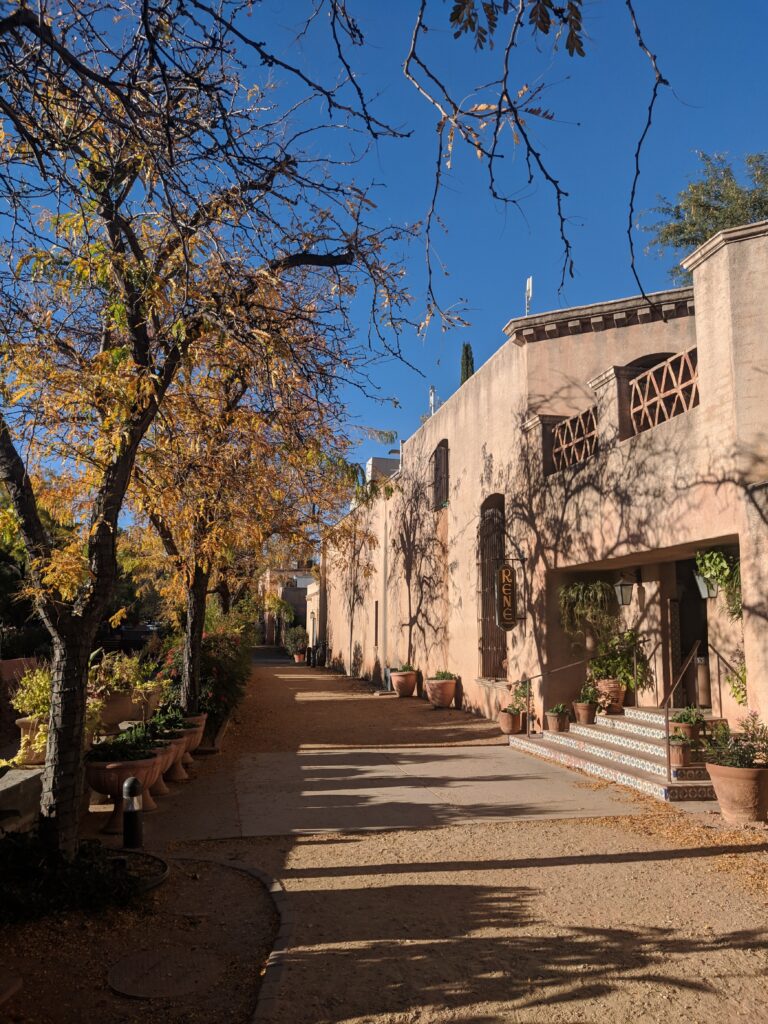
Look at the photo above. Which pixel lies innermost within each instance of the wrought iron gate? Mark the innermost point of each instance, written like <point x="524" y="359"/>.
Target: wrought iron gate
<point x="493" y="639"/>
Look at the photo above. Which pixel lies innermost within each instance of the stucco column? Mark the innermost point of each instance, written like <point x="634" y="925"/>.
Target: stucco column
<point x="612" y="390"/>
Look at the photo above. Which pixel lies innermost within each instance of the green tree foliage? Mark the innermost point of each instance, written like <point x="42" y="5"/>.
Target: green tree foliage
<point x="714" y="201"/>
<point x="467" y="362"/>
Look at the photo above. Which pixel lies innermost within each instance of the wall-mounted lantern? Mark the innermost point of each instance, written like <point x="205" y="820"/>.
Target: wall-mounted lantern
<point x="624" y="589"/>
<point x="707" y="588"/>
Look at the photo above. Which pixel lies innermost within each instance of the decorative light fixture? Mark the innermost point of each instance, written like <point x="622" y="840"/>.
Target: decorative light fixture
<point x="624" y="588"/>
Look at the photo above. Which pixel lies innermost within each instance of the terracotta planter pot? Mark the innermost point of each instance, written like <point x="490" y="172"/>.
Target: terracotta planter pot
<point x="679" y="755"/>
<point x="299" y="658"/>
<point x="510" y="722"/>
<point x="440" y="692"/>
<point x="741" y="792"/>
<point x="585" y="712"/>
<point x="108" y="777"/>
<point x="194" y="740"/>
<point x="557" y="723"/>
<point x="121" y="707"/>
<point x="165" y="753"/>
<point x="176" y="772"/>
<point x="28" y="727"/>
<point x="404" y="683"/>
<point x="615" y="690"/>
<point x="691" y="732"/>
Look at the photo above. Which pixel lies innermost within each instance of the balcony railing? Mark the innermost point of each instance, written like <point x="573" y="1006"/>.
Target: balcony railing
<point x="666" y="390"/>
<point x="574" y="440"/>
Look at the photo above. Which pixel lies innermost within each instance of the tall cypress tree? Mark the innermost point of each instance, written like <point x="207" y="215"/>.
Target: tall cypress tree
<point x="467" y="362"/>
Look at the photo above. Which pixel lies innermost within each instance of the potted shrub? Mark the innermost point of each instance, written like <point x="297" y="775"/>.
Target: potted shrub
<point x="403" y="680"/>
<point x="557" y="718"/>
<point x="110" y="763"/>
<point x="619" y="665"/>
<point x="679" y="751"/>
<point x="687" y="722"/>
<point x="296" y="641"/>
<point x="125" y="685"/>
<point x="511" y="717"/>
<point x="441" y="689"/>
<point x="33" y="698"/>
<point x="737" y="764"/>
<point x="585" y="708"/>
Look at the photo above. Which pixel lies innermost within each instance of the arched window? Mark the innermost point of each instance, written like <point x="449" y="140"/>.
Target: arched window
<point x="440" y="475"/>
<point x="491" y="556"/>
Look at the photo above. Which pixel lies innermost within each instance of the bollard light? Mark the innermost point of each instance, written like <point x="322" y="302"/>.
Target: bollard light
<point x="133" y="838"/>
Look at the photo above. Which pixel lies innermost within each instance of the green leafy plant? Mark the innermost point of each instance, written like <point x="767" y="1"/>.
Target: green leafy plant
<point x="737" y="682"/>
<point x="225" y="666"/>
<point x="724" y="570"/>
<point x="604" y="703"/>
<point x="589" y="694"/>
<point x="679" y="740"/>
<point x="296" y="640"/>
<point x="442" y="674"/>
<point x="32" y="698"/>
<point x="690" y="716"/>
<point x="587" y="605"/>
<point x="518" y="700"/>
<point x="128" y="746"/>
<point x="558" y="709"/>
<point x="621" y="657"/>
<point x="747" y="748"/>
<point x="404" y="668"/>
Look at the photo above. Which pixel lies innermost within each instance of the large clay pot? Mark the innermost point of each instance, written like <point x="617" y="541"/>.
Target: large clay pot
<point x="194" y="739"/>
<point x="176" y="771"/>
<point x="108" y="777"/>
<point x="440" y="692"/>
<point x="679" y="755"/>
<point x="299" y="658"/>
<point x="28" y="726"/>
<point x="510" y="722"/>
<point x="687" y="729"/>
<point x="741" y="792"/>
<point x="557" y="723"/>
<point x="615" y="690"/>
<point x="585" y="712"/>
<point x="166" y="755"/>
<point x="122" y="707"/>
<point x="404" y="683"/>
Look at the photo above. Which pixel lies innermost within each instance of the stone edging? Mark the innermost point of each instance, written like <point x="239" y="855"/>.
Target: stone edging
<point x="267" y="1001"/>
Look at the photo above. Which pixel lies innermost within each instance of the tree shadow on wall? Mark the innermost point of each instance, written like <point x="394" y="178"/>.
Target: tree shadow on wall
<point x="420" y="557"/>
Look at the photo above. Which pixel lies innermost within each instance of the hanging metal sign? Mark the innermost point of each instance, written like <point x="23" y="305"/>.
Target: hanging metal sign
<point x="506" y="597"/>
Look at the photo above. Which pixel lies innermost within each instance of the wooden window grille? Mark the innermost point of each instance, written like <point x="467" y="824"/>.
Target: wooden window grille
<point x="440" y="476"/>
<point x="666" y="390"/>
<point x="493" y="639"/>
<point x="574" y="440"/>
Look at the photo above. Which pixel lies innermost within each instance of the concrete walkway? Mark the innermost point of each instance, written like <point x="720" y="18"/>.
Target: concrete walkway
<point x="252" y="792"/>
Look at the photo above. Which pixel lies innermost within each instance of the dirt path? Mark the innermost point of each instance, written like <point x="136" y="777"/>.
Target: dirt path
<point x="655" y="916"/>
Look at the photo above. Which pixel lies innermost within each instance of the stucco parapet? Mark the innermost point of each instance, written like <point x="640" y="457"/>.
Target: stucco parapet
<point x="541" y="419"/>
<point x="721" y="239"/>
<point x="601" y="316"/>
<point x="611" y="374"/>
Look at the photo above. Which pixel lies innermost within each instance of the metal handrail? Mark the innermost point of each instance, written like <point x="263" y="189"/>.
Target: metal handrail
<point x="680" y="676"/>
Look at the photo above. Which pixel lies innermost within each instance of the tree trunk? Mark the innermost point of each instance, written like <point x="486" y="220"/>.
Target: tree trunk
<point x="225" y="597"/>
<point x="351" y="634"/>
<point x="63" y="775"/>
<point x="193" y="641"/>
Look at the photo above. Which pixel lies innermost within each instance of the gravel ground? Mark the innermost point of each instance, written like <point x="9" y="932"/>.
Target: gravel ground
<point x="655" y="917"/>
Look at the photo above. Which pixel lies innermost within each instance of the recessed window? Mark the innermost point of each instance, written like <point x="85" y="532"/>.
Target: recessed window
<point x="440" y="475"/>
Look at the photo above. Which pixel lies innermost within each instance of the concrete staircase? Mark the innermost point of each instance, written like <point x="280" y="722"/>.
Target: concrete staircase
<point x="628" y="749"/>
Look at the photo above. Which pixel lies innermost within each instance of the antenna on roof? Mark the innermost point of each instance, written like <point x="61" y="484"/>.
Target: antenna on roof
<point x="528" y="295"/>
<point x="432" y="397"/>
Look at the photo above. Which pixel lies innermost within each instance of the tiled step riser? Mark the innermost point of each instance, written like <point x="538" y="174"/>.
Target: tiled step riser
<point x="641" y="745"/>
<point x="626" y="726"/>
<point x="626" y="760"/>
<point x="659" y="790"/>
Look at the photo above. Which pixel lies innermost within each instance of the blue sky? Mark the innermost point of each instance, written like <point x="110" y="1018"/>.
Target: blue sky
<point x="714" y="58"/>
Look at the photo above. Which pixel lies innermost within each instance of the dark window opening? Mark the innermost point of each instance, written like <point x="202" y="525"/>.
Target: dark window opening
<point x="376" y="624"/>
<point x="440" y="476"/>
<point x="491" y="542"/>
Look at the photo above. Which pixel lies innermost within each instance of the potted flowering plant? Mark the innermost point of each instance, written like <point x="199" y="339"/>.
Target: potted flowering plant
<point x="688" y="722"/>
<point x="441" y="689"/>
<point x="737" y="763"/>
<point x="511" y="717"/>
<point x="296" y="641"/>
<point x="403" y="680"/>
<point x="557" y="718"/>
<point x="619" y="665"/>
<point x="585" y="708"/>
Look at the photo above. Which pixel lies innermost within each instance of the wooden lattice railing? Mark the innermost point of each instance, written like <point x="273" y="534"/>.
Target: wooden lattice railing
<point x="574" y="439"/>
<point x="664" y="391"/>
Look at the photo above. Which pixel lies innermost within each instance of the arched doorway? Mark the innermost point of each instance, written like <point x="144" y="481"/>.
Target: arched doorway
<point x="491" y="552"/>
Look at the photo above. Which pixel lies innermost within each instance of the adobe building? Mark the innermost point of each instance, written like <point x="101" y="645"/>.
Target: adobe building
<point x="612" y="442"/>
